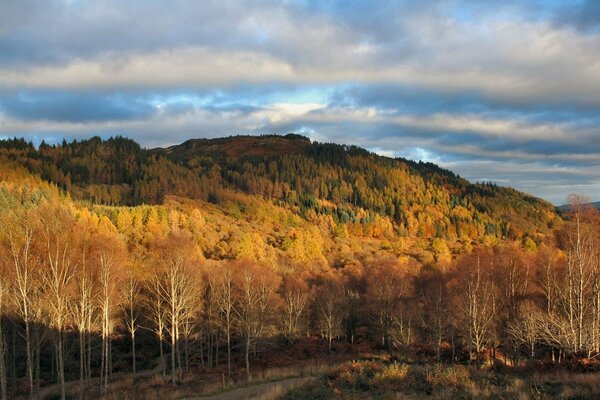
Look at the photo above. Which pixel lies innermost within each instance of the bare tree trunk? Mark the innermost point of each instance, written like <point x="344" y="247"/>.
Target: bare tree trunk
<point x="247" y="356"/>
<point x="82" y="363"/>
<point x="173" y="351"/>
<point x="130" y="310"/>
<point x="102" y="357"/>
<point x="3" y="395"/>
<point x="61" y="365"/>
<point x="133" y="352"/>
<point x="36" y="351"/>
<point x="88" y="369"/>
<point x="13" y="357"/>
<point x="29" y="359"/>
<point x="162" y="354"/>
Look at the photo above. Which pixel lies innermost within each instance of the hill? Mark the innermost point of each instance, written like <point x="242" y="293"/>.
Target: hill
<point x="567" y="207"/>
<point x="351" y="197"/>
<point x="312" y="249"/>
<point x="239" y="147"/>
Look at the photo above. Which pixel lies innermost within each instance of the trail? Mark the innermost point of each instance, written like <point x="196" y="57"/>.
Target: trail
<point x="263" y="390"/>
<point x="55" y="389"/>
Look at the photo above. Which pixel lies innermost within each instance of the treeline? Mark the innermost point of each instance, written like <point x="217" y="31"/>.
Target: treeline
<point x="78" y="286"/>
<point x="346" y="183"/>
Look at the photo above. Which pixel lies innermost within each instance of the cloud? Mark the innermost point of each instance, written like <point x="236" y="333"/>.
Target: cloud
<point x="507" y="92"/>
<point x="74" y="107"/>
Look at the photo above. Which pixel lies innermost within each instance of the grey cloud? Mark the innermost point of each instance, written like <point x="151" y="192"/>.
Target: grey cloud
<point x="583" y="15"/>
<point x="391" y="69"/>
<point x="74" y="107"/>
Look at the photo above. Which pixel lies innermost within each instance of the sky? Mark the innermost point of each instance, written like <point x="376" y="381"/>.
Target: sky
<point x="505" y="91"/>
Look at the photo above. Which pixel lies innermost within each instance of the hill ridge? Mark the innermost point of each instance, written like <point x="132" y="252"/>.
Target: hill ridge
<point x="344" y="184"/>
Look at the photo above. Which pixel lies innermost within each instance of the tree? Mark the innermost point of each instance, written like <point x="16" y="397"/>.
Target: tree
<point x="256" y="304"/>
<point x="386" y="284"/>
<point x="524" y="330"/>
<point x="330" y="307"/>
<point x="477" y="301"/>
<point x="431" y="288"/>
<point x="130" y="307"/>
<point x="56" y="279"/>
<point x="295" y="296"/>
<point x="108" y="291"/>
<point x="21" y="233"/>
<point x="83" y="308"/>
<point x="224" y="291"/>
<point x="178" y="288"/>
<point x="158" y="311"/>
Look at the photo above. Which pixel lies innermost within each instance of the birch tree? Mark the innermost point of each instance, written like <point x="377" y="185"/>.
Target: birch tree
<point x="21" y="243"/>
<point x="478" y="302"/>
<point x="130" y="308"/>
<point x="255" y="306"/>
<point x="56" y="279"/>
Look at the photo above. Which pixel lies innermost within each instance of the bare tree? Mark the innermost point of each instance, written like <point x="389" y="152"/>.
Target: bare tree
<point x="21" y="247"/>
<point x="157" y="307"/>
<point x="432" y="292"/>
<point x="295" y="295"/>
<point x="177" y="291"/>
<point x="225" y="298"/>
<point x="255" y="306"/>
<point x="330" y="309"/>
<point x="56" y="279"/>
<point x="83" y="310"/>
<point x="524" y="329"/>
<point x="478" y="303"/>
<point x="130" y="307"/>
<point x="386" y="285"/>
<point x="108" y="282"/>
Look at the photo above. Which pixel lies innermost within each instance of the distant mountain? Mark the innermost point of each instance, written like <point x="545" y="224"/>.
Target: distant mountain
<point x="345" y="187"/>
<point x="567" y="207"/>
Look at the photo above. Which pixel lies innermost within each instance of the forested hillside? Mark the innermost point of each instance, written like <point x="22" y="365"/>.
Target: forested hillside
<point x="350" y="190"/>
<point x="218" y="256"/>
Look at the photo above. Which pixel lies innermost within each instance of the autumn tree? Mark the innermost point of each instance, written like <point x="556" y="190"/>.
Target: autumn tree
<point x="330" y="307"/>
<point x="524" y="329"/>
<point x="431" y="290"/>
<point x="109" y="263"/>
<point x="386" y="284"/>
<point x="224" y="292"/>
<point x="130" y="308"/>
<point x="178" y="287"/>
<point x="56" y="279"/>
<point x="22" y="231"/>
<point x="477" y="300"/>
<point x="256" y="304"/>
<point x="83" y="310"/>
<point x="295" y="295"/>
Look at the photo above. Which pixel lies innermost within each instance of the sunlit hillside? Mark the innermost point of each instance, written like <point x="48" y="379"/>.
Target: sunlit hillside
<point x="300" y="200"/>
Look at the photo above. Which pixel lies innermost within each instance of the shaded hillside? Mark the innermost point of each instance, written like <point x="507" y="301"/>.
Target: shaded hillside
<point x="353" y="191"/>
<point x="238" y="147"/>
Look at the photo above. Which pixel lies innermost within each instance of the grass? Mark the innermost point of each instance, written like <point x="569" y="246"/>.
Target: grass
<point x="272" y="375"/>
<point x="362" y="372"/>
<point x="367" y="379"/>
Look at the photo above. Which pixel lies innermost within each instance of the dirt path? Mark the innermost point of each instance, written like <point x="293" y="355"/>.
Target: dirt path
<point x="55" y="389"/>
<point x="263" y="390"/>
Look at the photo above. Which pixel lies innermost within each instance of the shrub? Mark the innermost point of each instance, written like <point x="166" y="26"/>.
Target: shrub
<point x="357" y="374"/>
<point x="393" y="373"/>
<point x="440" y="375"/>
